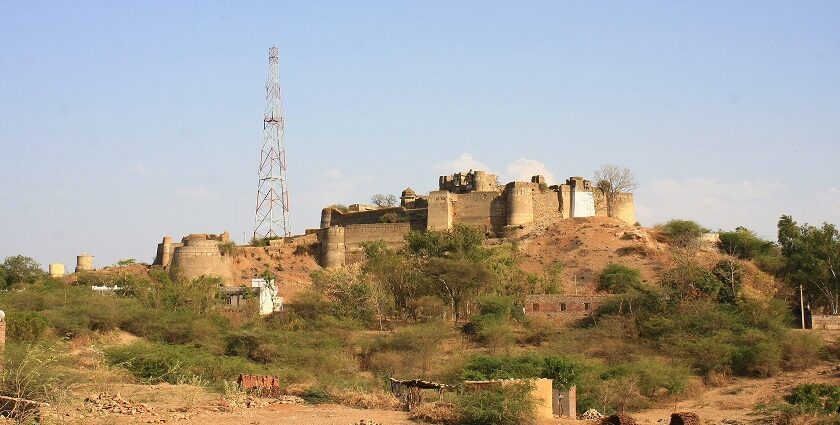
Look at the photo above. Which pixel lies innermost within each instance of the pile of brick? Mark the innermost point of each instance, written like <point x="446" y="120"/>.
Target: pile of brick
<point x="115" y="404"/>
<point x="591" y="414"/>
<point x="685" y="418"/>
<point x="618" y="419"/>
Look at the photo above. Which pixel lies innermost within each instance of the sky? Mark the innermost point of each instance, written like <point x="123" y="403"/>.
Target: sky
<point x="122" y="122"/>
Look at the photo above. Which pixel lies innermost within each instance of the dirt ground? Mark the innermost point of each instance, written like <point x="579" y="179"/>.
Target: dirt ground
<point x="730" y="404"/>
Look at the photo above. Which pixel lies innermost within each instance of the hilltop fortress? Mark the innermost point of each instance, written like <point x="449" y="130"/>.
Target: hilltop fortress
<point x="474" y="198"/>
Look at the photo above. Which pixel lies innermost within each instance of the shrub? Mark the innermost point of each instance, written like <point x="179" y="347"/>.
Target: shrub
<point x="316" y="395"/>
<point x="26" y="326"/>
<point x="744" y="243"/>
<point x="175" y="363"/>
<point x="757" y="355"/>
<point x="731" y="275"/>
<point x="801" y="349"/>
<point x="617" y="279"/>
<point x="689" y="281"/>
<point x="510" y="404"/>
<point x="683" y="232"/>
<point x="823" y="398"/>
<point x="33" y="372"/>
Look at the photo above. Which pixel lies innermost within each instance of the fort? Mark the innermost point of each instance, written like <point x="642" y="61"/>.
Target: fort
<point x="474" y="198"/>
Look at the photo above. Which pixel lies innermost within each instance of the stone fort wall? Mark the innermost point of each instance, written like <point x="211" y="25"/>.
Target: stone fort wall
<point x="474" y="199"/>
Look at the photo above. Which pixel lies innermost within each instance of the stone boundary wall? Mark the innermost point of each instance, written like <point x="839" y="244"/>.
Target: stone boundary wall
<point x="825" y="322"/>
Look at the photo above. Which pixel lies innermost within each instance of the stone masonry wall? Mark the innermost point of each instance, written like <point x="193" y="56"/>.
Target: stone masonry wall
<point x="562" y="307"/>
<point x="825" y="322"/>
<point x="485" y="210"/>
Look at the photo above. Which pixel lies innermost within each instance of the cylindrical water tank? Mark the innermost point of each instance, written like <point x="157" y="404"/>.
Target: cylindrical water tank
<point x="57" y="270"/>
<point x="84" y="262"/>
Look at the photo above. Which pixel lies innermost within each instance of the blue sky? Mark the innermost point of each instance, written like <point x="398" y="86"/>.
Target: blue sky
<point x="121" y="122"/>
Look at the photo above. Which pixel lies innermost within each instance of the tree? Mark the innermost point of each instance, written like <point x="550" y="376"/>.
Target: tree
<point x="812" y="259"/>
<point x="384" y="201"/>
<point x="458" y="281"/>
<point x="19" y="269"/>
<point x="731" y="274"/>
<point x="395" y="274"/>
<point x="613" y="180"/>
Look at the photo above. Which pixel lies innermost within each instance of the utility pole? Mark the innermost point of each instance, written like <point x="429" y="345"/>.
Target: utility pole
<point x="802" y="305"/>
<point x="272" y="214"/>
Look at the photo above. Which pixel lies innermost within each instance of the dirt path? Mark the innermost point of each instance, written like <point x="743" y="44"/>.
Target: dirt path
<point x="735" y="401"/>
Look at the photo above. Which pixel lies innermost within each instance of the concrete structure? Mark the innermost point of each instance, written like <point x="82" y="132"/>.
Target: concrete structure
<point x="474" y="198"/>
<point x="57" y="270"/>
<point x="561" y="307"/>
<point x="84" y="262"/>
<point x="270" y="302"/>
<point x="550" y="402"/>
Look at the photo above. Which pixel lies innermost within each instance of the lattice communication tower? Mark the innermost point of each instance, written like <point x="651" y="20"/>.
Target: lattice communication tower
<point x="272" y="215"/>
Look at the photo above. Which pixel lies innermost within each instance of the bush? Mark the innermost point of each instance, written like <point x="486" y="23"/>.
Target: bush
<point x="822" y="398"/>
<point x="731" y="275"/>
<point x="801" y="349"/>
<point x="689" y="281"/>
<point x="316" y="395"/>
<point x="757" y="355"/>
<point x="744" y="243"/>
<point x="683" y="232"/>
<point x="26" y="326"/>
<point x="175" y="363"/>
<point x="510" y="404"/>
<point x="618" y="279"/>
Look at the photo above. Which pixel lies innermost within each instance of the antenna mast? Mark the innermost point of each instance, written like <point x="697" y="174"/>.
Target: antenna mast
<point x="272" y="214"/>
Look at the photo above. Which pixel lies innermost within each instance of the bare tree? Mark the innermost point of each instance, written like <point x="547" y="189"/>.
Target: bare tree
<point x="613" y="180"/>
<point x="384" y="201"/>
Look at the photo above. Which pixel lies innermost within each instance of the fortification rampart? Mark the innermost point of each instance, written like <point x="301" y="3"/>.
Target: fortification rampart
<point x="475" y="199"/>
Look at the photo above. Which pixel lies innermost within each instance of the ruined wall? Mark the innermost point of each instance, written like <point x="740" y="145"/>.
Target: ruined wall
<point x="624" y="208"/>
<point x="201" y="257"/>
<point x="562" y="307"/>
<point x="485" y="210"/>
<point x="825" y="322"/>
<point x="547" y="206"/>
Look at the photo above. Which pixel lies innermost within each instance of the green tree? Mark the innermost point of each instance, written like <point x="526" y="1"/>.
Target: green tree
<point x="19" y="269"/>
<point x="689" y="281"/>
<point x="617" y="279"/>
<point x="683" y="233"/>
<point x="731" y="275"/>
<point x="456" y="280"/>
<point x="744" y="243"/>
<point x="812" y="259"/>
<point x="396" y="274"/>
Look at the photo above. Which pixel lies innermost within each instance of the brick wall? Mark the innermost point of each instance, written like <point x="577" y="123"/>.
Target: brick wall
<point x="562" y="307"/>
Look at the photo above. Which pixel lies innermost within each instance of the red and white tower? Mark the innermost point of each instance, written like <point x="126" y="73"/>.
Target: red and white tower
<point x="272" y="214"/>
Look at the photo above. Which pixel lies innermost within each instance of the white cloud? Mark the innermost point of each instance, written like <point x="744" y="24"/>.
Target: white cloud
<point x="523" y="169"/>
<point x="464" y="162"/>
<point x="712" y="202"/>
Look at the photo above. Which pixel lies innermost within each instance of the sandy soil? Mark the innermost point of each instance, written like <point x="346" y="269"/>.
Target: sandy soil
<point x="731" y="404"/>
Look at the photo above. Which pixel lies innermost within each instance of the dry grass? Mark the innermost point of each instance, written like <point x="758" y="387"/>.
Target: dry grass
<point x="368" y="400"/>
<point x="436" y="413"/>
